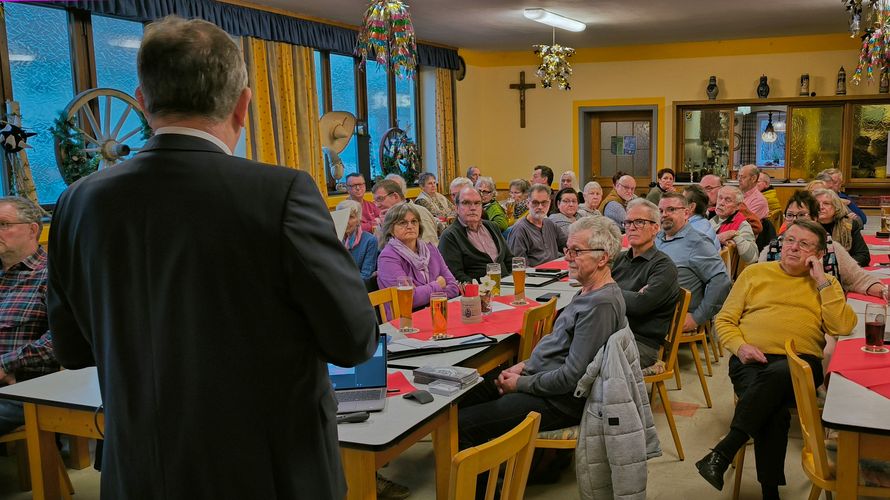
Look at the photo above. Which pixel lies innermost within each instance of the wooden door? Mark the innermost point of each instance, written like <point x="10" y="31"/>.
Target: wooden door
<point x="620" y="141"/>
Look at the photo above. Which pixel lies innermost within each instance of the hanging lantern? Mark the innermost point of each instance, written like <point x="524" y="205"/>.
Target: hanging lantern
<point x="554" y="68"/>
<point x="387" y="36"/>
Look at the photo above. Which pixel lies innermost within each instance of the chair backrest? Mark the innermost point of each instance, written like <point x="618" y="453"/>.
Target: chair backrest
<point x="668" y="352"/>
<point x="767" y="234"/>
<point x="382" y="298"/>
<point x="776" y="217"/>
<point x="730" y="256"/>
<point x="537" y="322"/>
<point x="514" y="448"/>
<point x="808" y="410"/>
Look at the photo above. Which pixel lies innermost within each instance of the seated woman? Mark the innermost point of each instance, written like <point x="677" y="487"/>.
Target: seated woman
<point x="567" y="204"/>
<point x="518" y="200"/>
<point x="664" y="184"/>
<point x="698" y="212"/>
<point x="569" y="180"/>
<point x="437" y="203"/>
<point x="361" y="244"/>
<point x="404" y="254"/>
<point x="491" y="209"/>
<point x="593" y="195"/>
<point x="846" y="231"/>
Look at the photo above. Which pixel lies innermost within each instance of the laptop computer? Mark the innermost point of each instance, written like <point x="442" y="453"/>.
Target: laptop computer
<point x="363" y="387"/>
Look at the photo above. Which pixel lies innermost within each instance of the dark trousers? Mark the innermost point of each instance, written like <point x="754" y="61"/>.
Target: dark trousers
<point x="765" y="394"/>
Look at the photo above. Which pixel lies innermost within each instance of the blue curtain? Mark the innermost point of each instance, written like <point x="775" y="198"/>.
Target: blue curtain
<point x="242" y="21"/>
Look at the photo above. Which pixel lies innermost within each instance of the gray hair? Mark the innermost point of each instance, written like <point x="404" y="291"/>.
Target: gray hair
<point x="840" y="209"/>
<point x="752" y="168"/>
<point x="654" y="213"/>
<point x="521" y="184"/>
<point x="27" y="210"/>
<point x="395" y="215"/>
<point x="570" y="174"/>
<point x="421" y="180"/>
<point x="390" y="187"/>
<point x="190" y="69"/>
<point x="592" y="185"/>
<point x="540" y="187"/>
<point x="458" y="181"/>
<point x="739" y="196"/>
<point x="828" y="174"/>
<point x="458" y="196"/>
<point x="487" y="181"/>
<point x="603" y="234"/>
<point x="398" y="179"/>
<point x="353" y="206"/>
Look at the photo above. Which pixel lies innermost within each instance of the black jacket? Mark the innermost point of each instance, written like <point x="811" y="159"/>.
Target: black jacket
<point x="464" y="260"/>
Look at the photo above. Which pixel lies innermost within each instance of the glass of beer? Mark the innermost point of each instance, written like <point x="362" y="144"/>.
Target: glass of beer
<point x="509" y="207"/>
<point x="885" y="217"/>
<point x="875" y="324"/>
<point x="493" y="271"/>
<point x="439" y="312"/>
<point x="519" y="281"/>
<point x="405" y="296"/>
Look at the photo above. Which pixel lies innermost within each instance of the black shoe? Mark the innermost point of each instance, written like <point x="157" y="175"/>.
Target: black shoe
<point x="712" y="468"/>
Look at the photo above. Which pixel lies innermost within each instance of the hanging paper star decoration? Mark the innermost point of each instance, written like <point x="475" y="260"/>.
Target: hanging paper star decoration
<point x="13" y="138"/>
<point x="554" y="68"/>
<point x="874" y="56"/>
<point x="387" y="36"/>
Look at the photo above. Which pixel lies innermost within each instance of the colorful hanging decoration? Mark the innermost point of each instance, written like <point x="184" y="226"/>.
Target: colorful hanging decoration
<point x="554" y="68"/>
<point x="874" y="15"/>
<point x="387" y="36"/>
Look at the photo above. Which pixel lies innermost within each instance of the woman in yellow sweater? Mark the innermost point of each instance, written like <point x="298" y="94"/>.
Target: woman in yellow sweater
<point x="770" y="302"/>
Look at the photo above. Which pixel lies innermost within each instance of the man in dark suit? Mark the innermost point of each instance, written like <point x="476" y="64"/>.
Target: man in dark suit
<point x="209" y="291"/>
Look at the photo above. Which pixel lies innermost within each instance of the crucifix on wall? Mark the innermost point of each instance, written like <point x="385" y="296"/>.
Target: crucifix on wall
<point x="522" y="87"/>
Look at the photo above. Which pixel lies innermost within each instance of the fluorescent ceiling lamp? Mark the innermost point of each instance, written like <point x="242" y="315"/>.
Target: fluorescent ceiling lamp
<point x="555" y="20"/>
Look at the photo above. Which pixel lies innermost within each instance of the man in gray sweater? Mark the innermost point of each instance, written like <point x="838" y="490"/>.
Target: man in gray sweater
<point x="536" y="237"/>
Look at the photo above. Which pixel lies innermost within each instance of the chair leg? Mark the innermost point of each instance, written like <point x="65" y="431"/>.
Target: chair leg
<point x="816" y="492"/>
<point x="669" y="413"/>
<point x="704" y="347"/>
<point x="21" y="457"/>
<point x="701" y="374"/>
<point x="677" y="375"/>
<point x="712" y="339"/>
<point x="739" y="463"/>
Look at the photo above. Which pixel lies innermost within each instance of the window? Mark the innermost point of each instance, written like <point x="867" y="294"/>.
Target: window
<point x="815" y="140"/>
<point x="871" y="125"/>
<point x="343" y="98"/>
<point x="770" y="154"/>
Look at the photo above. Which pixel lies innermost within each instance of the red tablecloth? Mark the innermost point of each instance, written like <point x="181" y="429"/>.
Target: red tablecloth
<point x="865" y="298"/>
<point x="866" y="369"/>
<point x="871" y="239"/>
<point x="397" y="384"/>
<point x="562" y="265"/>
<point x="496" y="323"/>
<point x="879" y="259"/>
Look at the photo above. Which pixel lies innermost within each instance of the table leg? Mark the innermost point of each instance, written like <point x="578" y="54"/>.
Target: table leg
<point x="847" y="464"/>
<point x="43" y="456"/>
<point x="361" y="474"/>
<point x="78" y="452"/>
<point x="444" y="448"/>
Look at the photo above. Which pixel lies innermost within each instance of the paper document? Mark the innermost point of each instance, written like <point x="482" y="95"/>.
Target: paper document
<point x="409" y="344"/>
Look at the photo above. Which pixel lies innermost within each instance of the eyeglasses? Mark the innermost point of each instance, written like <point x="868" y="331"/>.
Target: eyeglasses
<point x="568" y="202"/>
<point x="638" y="223"/>
<point x="806" y="246"/>
<point x="625" y="187"/>
<point x="405" y="223"/>
<point x="536" y="203"/>
<point x="468" y="203"/>
<point x="6" y="225"/>
<point x="379" y="199"/>
<point x="353" y="186"/>
<point x="710" y="188"/>
<point x="574" y="252"/>
<point x="798" y="215"/>
<point x="671" y="210"/>
<point x="484" y="191"/>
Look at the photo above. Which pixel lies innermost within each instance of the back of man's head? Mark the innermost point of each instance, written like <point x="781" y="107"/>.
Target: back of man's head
<point x="190" y="69"/>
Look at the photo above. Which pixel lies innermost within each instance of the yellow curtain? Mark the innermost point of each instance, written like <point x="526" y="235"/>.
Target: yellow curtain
<point x="445" y="140"/>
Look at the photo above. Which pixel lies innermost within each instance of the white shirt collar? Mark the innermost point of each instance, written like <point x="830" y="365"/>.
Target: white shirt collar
<point x="195" y="133"/>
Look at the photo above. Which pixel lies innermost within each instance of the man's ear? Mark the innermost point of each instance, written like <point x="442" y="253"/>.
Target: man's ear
<point x="140" y="98"/>
<point x="241" y="107"/>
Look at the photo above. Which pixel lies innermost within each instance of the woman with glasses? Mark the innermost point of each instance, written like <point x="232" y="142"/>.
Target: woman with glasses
<point x="362" y="245"/>
<point x="845" y="230"/>
<point x="403" y="253"/>
<point x="567" y="206"/>
<point x="437" y="203"/>
<point x="491" y="209"/>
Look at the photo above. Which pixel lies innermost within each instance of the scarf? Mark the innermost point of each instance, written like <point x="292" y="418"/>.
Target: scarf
<point x="519" y="209"/>
<point x="419" y="260"/>
<point x="352" y="241"/>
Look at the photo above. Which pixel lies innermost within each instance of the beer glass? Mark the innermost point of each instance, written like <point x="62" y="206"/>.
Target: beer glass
<point x="493" y="271"/>
<point x="875" y="323"/>
<point x="405" y="296"/>
<point x="519" y="281"/>
<point x="885" y="217"/>
<point x="509" y="207"/>
<point x="439" y="312"/>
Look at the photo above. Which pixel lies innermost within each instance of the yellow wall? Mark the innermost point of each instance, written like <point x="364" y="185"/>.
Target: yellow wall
<point x="488" y="110"/>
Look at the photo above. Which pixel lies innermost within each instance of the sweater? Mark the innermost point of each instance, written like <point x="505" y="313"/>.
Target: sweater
<point x="772" y="199"/>
<point x="562" y="222"/>
<point x="537" y="245"/>
<point x="391" y="265"/>
<point x="858" y="249"/>
<point x="766" y="306"/>
<point x="465" y="261"/>
<point x="494" y="212"/>
<point x="365" y="255"/>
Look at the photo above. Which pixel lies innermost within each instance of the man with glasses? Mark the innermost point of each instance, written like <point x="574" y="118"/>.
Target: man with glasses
<point x="26" y="346"/>
<point x="614" y="206"/>
<point x="648" y="280"/>
<point x="491" y="209"/>
<point x="536" y="237"/>
<point x="356" y="186"/>
<point x="711" y="184"/>
<point x="388" y="193"/>
<point x="699" y="267"/>
<point x="731" y="226"/>
<point x="471" y="244"/>
<point x="754" y="199"/>
<point x="792" y="298"/>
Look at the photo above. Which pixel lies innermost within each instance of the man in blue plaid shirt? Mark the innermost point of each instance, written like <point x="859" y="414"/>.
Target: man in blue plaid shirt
<point x="26" y="348"/>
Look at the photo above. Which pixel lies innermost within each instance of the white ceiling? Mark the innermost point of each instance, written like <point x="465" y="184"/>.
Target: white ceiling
<point x="500" y="25"/>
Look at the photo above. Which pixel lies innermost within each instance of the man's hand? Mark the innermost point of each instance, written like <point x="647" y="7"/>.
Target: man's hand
<point x="749" y="354"/>
<point x="6" y="378"/>
<point x="817" y="272"/>
<point x="517" y="368"/>
<point x="689" y="325"/>
<point x="726" y="236"/>
<point x="507" y="381"/>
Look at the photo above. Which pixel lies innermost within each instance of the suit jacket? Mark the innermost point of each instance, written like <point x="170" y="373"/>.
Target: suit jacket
<point x="209" y="291"/>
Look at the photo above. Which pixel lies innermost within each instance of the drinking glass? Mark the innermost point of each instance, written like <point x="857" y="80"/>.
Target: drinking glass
<point x="493" y="271"/>
<point x="519" y="281"/>
<point x="405" y="296"/>
<point x="875" y="323"/>
<point x="439" y="312"/>
<point x="885" y="217"/>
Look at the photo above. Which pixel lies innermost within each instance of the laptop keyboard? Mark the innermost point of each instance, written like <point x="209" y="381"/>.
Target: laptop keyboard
<point x="348" y="397"/>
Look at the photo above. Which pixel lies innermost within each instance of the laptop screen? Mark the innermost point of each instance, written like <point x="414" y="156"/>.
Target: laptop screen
<point x="371" y="373"/>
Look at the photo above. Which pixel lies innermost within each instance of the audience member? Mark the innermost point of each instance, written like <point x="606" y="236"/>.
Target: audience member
<point x="404" y="253"/>
<point x="26" y="345"/>
<point x="536" y="237"/>
<point x="771" y="302"/>
<point x="457" y="185"/>
<point x="356" y="187"/>
<point x="542" y="174"/>
<point x="614" y="206"/>
<point x="753" y="198"/>
<point x="491" y="209"/>
<point x="712" y="184"/>
<point x="388" y="193"/>
<point x="846" y="231"/>
<point x="473" y="173"/>
<point x="648" y="281"/>
<point x="731" y="226"/>
<point x="593" y="195"/>
<point x="469" y="245"/>
<point x="699" y="266"/>
<point x="834" y="180"/>
<point x="398" y="179"/>
<point x="697" y="201"/>
<point x="568" y="180"/>
<point x="816" y="184"/>
<point x="664" y="184"/>
<point x="567" y="201"/>
<point x="431" y="199"/>
<point x="519" y="196"/>
<point x="764" y="182"/>
<point x="361" y="244"/>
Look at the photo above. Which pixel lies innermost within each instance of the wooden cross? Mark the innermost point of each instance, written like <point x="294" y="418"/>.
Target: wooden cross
<point x="522" y="87"/>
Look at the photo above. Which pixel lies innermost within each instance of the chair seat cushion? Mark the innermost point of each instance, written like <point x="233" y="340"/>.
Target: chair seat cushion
<point x="564" y="434"/>
<point x="873" y="473"/>
<point x="655" y="369"/>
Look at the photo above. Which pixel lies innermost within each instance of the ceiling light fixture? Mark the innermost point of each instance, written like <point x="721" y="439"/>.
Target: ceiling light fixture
<point x="552" y="19"/>
<point x="769" y="133"/>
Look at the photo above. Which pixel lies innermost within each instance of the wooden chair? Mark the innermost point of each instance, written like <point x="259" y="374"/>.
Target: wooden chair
<point x="730" y="256"/>
<point x="18" y="438"/>
<point x="668" y="356"/>
<point x="382" y="298"/>
<point x="513" y="448"/>
<point x="537" y="322"/>
<point x="776" y="217"/>
<point x="692" y="339"/>
<point x="814" y="457"/>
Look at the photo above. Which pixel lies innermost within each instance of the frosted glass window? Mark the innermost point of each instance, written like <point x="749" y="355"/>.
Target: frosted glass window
<point x="115" y="43"/>
<point x="378" y="113"/>
<point x="815" y="140"/>
<point x="319" y="81"/>
<point x="406" y="106"/>
<point x="343" y="97"/>
<point x="871" y="125"/>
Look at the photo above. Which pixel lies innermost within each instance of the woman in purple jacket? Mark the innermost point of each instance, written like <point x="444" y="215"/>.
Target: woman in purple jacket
<point x="404" y="254"/>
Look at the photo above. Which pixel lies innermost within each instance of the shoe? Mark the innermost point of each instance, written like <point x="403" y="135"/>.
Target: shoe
<point x="389" y="489"/>
<point x="712" y="468"/>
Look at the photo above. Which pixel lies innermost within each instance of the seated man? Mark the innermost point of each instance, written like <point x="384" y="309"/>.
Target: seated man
<point x="648" y="281"/>
<point x="614" y="206"/>
<point x="711" y="184"/>
<point x="731" y="226"/>
<point x="753" y="198"/>
<point x="26" y="346"/>
<point x="469" y="245"/>
<point x="355" y="185"/>
<point x="457" y="185"/>
<point x="536" y="237"/>
<point x="699" y="266"/>
<point x="388" y="193"/>
<point x="542" y="174"/>
<point x="772" y="197"/>
<point x="771" y="302"/>
<point x="546" y="382"/>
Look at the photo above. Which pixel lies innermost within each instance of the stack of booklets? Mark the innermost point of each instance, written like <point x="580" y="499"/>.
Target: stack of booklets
<point x="456" y="375"/>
